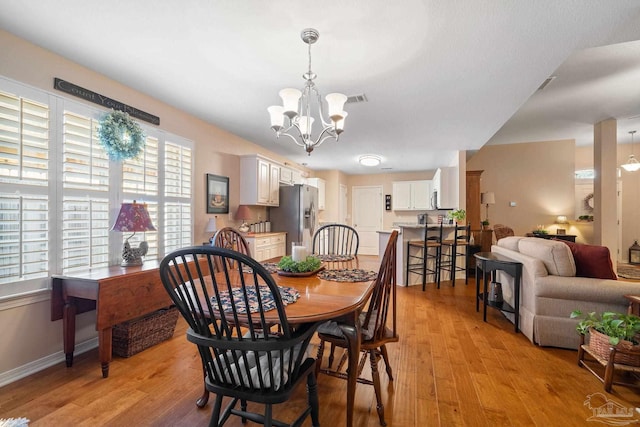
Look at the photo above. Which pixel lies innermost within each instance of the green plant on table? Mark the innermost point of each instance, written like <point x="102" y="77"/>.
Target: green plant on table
<point x="617" y="326"/>
<point x="457" y="215"/>
<point x="311" y="263"/>
<point x="485" y="223"/>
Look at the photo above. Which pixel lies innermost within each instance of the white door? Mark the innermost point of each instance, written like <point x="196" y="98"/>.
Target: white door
<point x="342" y="205"/>
<point x="366" y="206"/>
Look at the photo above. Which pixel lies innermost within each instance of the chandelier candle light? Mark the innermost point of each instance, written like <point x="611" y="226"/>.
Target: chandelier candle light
<point x="133" y="217"/>
<point x="296" y="110"/>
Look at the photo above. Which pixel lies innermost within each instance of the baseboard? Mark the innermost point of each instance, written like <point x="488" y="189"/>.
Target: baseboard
<point x="43" y="363"/>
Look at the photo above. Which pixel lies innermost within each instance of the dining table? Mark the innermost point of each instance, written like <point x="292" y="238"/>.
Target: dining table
<point x="321" y="300"/>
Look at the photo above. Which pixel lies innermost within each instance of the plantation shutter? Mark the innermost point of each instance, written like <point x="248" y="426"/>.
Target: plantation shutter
<point x="24" y="198"/>
<point x="85" y="202"/>
<point x="177" y="208"/>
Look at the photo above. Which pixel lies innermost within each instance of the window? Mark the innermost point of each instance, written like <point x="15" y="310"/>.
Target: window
<point x="57" y="205"/>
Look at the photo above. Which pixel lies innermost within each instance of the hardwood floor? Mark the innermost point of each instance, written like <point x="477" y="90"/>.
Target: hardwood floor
<point x="450" y="369"/>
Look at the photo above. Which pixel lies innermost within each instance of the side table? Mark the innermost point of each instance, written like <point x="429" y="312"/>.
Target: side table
<point x="487" y="263"/>
<point x="634" y="304"/>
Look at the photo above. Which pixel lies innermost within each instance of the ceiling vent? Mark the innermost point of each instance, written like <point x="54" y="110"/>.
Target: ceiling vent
<point x="353" y="99"/>
<point x="546" y="82"/>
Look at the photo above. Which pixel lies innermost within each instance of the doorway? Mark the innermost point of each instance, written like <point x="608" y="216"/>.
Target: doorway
<point x="366" y="208"/>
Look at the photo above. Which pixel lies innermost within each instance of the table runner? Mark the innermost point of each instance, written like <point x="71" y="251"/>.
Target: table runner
<point x="333" y="258"/>
<point x="288" y="295"/>
<point x="348" y="275"/>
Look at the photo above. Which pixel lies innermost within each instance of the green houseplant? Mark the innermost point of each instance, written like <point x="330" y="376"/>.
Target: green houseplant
<point x="457" y="215"/>
<point x="616" y="326"/>
<point x="611" y="330"/>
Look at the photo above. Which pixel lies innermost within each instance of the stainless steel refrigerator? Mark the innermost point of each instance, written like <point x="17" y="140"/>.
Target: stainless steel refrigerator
<point x="297" y="214"/>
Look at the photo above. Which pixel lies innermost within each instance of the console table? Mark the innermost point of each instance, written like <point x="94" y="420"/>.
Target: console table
<point x="488" y="263"/>
<point x="116" y="293"/>
<point x="567" y="237"/>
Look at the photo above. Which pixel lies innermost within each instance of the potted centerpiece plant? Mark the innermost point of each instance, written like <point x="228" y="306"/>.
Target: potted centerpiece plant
<point x="611" y="329"/>
<point x="457" y="215"/>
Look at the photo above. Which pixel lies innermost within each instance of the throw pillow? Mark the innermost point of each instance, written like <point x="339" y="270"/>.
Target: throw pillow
<point x="592" y="261"/>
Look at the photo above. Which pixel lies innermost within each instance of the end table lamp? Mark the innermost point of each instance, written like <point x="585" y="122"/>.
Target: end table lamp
<point x="487" y="199"/>
<point x="212" y="227"/>
<point x="243" y="213"/>
<point x="133" y="217"/>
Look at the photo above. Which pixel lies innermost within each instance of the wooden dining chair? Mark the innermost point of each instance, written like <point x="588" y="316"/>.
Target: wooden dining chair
<point x="241" y="358"/>
<point x="336" y="239"/>
<point x="230" y="238"/>
<point x="424" y="255"/>
<point x="378" y="326"/>
<point x="455" y="249"/>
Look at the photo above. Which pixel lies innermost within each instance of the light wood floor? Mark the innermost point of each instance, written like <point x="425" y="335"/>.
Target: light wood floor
<point x="450" y="369"/>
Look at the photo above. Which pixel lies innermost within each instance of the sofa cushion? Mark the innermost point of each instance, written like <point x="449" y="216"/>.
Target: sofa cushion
<point x="510" y="242"/>
<point x="592" y="261"/>
<point x="555" y="255"/>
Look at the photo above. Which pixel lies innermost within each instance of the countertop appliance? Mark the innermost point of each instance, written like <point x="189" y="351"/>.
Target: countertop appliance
<point x="422" y="218"/>
<point x="297" y="214"/>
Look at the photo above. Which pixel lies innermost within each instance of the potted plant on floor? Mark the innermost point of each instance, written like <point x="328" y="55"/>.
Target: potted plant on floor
<point x="611" y="329"/>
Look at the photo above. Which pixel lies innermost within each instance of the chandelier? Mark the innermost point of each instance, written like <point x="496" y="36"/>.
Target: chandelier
<point x="294" y="118"/>
<point x="632" y="164"/>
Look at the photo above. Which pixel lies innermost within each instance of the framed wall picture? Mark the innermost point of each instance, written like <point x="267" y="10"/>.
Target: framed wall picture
<point x="217" y="194"/>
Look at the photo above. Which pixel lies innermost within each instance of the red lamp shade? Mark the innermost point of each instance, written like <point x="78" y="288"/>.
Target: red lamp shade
<point x="243" y="212"/>
<point x="133" y="217"/>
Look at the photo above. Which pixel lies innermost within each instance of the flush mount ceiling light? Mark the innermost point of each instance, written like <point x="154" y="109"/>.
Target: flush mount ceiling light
<point x="369" y="160"/>
<point x="297" y="108"/>
<point x="632" y="164"/>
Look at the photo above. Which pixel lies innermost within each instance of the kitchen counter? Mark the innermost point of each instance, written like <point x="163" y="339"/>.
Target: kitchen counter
<point x="269" y="234"/>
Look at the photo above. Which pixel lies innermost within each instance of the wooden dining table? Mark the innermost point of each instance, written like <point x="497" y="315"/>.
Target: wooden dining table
<point x="321" y="300"/>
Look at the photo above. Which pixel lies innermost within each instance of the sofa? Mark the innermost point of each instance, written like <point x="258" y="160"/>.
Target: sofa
<point x="553" y="285"/>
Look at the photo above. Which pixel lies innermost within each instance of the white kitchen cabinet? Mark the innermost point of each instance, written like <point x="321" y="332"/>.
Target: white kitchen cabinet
<point x="411" y="195"/>
<point x="445" y="185"/>
<point x="286" y="176"/>
<point x="264" y="246"/>
<point x="320" y="184"/>
<point x="259" y="181"/>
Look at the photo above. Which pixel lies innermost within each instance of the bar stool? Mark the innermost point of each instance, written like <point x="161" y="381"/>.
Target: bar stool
<point x="423" y="256"/>
<point x="454" y="249"/>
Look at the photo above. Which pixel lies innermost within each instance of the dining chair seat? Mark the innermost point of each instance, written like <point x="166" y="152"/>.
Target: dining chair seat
<point x="231" y="316"/>
<point x="378" y="328"/>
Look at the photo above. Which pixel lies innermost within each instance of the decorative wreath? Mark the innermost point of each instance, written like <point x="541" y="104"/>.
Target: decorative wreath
<point x="121" y="137"/>
<point x="587" y="203"/>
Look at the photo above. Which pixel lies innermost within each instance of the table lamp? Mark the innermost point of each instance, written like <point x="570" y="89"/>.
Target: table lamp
<point x="242" y="214"/>
<point x="487" y="199"/>
<point x="561" y="219"/>
<point x="133" y="217"/>
<point x="212" y="227"/>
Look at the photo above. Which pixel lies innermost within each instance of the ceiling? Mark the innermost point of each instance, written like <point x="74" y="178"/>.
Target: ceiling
<point x="439" y="76"/>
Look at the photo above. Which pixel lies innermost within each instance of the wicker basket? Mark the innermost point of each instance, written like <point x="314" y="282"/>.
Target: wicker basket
<point x="599" y="344"/>
<point x="136" y="335"/>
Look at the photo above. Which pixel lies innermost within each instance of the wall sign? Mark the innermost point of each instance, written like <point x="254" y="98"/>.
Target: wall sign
<point x="96" y="98"/>
<point x="387" y="202"/>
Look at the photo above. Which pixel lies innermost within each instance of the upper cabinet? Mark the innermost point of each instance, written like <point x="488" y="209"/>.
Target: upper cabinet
<point x="290" y="176"/>
<point x="320" y="184"/>
<point x="411" y="195"/>
<point x="259" y="181"/>
<point x="445" y="188"/>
